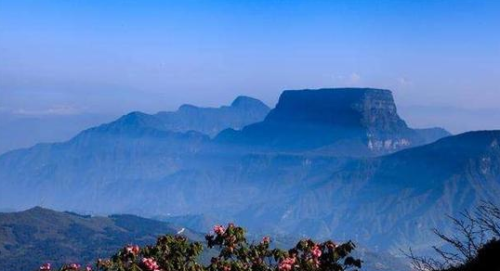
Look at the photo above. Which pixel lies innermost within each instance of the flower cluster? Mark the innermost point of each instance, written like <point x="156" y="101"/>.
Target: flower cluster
<point x="133" y="249"/>
<point x="67" y="267"/>
<point x="176" y="253"/>
<point x="316" y="252"/>
<point x="219" y="229"/>
<point x="286" y="264"/>
<point x="151" y="264"/>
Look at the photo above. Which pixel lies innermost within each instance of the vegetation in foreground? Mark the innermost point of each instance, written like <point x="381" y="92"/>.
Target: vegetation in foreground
<point x="476" y="248"/>
<point x="176" y="253"/>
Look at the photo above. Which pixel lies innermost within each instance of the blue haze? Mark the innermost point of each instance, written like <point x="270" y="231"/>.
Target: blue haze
<point x="112" y="57"/>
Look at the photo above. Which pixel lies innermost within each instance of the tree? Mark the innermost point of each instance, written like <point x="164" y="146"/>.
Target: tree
<point x="176" y="253"/>
<point x="477" y="240"/>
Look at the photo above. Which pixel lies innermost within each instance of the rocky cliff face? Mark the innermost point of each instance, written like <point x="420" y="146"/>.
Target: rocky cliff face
<point x="352" y="107"/>
<point x="331" y="118"/>
<point x="138" y="159"/>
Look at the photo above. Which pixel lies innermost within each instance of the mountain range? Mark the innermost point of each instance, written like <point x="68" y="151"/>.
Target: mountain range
<point x="23" y="130"/>
<point x="189" y="118"/>
<point x="38" y="235"/>
<point x="210" y="121"/>
<point x="343" y="121"/>
<point x="392" y="202"/>
<point x="327" y="163"/>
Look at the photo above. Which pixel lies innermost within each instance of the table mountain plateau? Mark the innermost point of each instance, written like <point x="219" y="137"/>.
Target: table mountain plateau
<point x="343" y="121"/>
<point x="312" y="166"/>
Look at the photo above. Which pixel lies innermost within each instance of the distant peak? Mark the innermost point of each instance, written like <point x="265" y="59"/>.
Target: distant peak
<point x="38" y="209"/>
<point x="135" y="117"/>
<point x="185" y="107"/>
<point x="136" y="113"/>
<point x="487" y="137"/>
<point x="242" y="101"/>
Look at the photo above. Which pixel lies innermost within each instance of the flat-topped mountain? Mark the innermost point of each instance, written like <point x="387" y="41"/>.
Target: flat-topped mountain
<point x="180" y="172"/>
<point x="157" y="150"/>
<point x="342" y="120"/>
<point x="344" y="107"/>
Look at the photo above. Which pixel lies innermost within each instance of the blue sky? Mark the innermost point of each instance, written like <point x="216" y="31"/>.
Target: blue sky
<point x="116" y="56"/>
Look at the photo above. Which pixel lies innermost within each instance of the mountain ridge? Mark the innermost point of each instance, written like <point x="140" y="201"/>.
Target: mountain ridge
<point x="317" y="118"/>
<point x="242" y="111"/>
<point x="394" y="201"/>
<point x="38" y="235"/>
<point x="109" y="168"/>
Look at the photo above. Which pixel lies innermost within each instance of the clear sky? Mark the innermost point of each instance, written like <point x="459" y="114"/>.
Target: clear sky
<point x="67" y="56"/>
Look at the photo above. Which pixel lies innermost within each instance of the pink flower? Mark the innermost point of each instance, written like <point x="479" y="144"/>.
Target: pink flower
<point x="133" y="249"/>
<point x="219" y="229"/>
<point x="316" y="251"/>
<point x="74" y="266"/>
<point x="266" y="240"/>
<point x="88" y="268"/>
<point x="286" y="264"/>
<point x="227" y="268"/>
<point x="151" y="264"/>
<point x="45" y="267"/>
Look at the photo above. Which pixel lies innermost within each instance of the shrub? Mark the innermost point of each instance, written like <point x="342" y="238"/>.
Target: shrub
<point x="176" y="253"/>
<point x="476" y="247"/>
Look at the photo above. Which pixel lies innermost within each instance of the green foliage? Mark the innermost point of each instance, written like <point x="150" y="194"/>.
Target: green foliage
<point x="176" y="253"/>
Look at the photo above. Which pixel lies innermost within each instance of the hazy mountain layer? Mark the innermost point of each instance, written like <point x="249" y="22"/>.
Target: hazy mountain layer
<point x="242" y="111"/>
<point x="36" y="236"/>
<point x="394" y="201"/>
<point x="23" y="131"/>
<point x="307" y="181"/>
<point x="205" y="120"/>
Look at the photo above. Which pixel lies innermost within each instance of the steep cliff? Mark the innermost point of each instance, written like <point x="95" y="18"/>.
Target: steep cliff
<point x="344" y="121"/>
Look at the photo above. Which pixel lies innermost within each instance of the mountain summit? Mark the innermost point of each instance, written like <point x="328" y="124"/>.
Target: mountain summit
<point x="339" y="119"/>
<point x="188" y="118"/>
<point x="242" y="111"/>
<point x="309" y="137"/>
